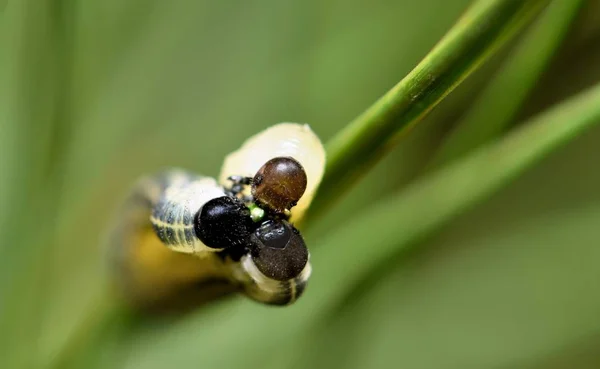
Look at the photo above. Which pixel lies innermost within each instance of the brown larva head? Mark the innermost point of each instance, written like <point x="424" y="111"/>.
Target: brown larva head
<point x="278" y="250"/>
<point x="279" y="184"/>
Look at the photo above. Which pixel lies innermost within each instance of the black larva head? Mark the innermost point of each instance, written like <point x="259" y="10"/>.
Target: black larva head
<point x="279" y="184"/>
<point x="278" y="250"/>
<point x="223" y="222"/>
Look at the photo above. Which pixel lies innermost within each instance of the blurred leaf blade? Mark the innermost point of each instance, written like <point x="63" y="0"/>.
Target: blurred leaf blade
<point x="500" y="101"/>
<point x="483" y="28"/>
<point x="449" y="298"/>
<point x="32" y="113"/>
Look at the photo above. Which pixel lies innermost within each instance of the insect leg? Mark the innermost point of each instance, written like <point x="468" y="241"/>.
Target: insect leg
<point x="238" y="185"/>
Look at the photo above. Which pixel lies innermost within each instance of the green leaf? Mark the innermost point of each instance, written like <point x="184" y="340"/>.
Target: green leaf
<point x="496" y="107"/>
<point x="32" y="123"/>
<point x="485" y="26"/>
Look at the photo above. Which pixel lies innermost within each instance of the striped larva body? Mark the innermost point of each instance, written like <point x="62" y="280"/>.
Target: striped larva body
<point x="183" y="239"/>
<point x="182" y="195"/>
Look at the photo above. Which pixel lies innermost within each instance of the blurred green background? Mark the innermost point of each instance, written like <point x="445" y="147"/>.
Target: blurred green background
<point x="96" y="93"/>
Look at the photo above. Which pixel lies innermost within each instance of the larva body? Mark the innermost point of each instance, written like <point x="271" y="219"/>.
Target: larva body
<point x="182" y="196"/>
<point x="150" y="273"/>
<point x="174" y="244"/>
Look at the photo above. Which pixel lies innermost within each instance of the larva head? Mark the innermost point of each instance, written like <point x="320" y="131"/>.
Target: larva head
<point x="223" y="222"/>
<point x="279" y="184"/>
<point x="278" y="250"/>
<point x="281" y="140"/>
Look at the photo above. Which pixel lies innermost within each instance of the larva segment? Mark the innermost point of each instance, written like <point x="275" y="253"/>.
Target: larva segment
<point x="149" y="275"/>
<point x="173" y="216"/>
<point x="284" y="139"/>
<point x="261" y="288"/>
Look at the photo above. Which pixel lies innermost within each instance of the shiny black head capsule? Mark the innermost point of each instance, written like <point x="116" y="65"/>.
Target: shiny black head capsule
<point x="223" y="222"/>
<point x="279" y="184"/>
<point x="278" y="250"/>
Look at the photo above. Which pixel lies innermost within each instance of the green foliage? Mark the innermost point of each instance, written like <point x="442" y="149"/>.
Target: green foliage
<point x="476" y="35"/>
<point x="501" y="99"/>
<point x="473" y="249"/>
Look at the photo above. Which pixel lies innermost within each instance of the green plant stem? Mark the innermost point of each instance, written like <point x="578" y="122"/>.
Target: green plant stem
<point x="437" y="198"/>
<point x="483" y="28"/>
<point x="494" y="110"/>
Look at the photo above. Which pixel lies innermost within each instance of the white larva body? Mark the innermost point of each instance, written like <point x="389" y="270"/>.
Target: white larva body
<point x="284" y="139"/>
